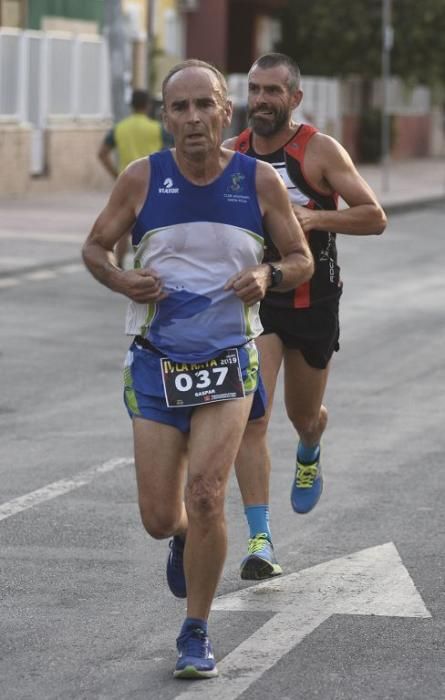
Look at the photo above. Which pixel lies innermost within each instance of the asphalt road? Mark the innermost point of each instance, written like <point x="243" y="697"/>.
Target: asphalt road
<point x="85" y="611"/>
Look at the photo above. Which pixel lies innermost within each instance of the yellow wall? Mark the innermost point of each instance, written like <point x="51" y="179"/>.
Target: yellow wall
<point x="141" y="8"/>
<point x="11" y="13"/>
<point x="163" y="61"/>
<point x="158" y="21"/>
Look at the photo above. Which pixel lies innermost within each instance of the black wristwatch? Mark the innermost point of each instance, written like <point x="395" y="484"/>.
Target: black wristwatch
<point x="276" y="276"/>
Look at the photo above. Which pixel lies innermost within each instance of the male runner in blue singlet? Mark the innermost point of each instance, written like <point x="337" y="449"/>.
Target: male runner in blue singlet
<point x="191" y="377"/>
<point x="301" y="327"/>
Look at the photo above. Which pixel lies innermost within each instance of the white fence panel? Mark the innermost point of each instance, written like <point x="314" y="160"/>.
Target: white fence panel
<point x="9" y="75"/>
<point x="50" y="76"/>
<point x="94" y="78"/>
<point x="60" y="75"/>
<point x="36" y="96"/>
<point x="321" y="105"/>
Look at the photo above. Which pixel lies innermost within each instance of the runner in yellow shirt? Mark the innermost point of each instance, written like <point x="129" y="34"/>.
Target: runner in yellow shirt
<point x="134" y="137"/>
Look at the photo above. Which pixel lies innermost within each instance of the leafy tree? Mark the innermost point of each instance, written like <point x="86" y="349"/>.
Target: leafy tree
<point x="419" y="41"/>
<point x="340" y="38"/>
<point x="344" y="37"/>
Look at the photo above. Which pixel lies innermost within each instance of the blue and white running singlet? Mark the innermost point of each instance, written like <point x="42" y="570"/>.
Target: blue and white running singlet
<point x="196" y="237"/>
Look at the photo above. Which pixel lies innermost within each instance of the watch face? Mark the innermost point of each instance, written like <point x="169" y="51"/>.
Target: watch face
<point x="277" y="276"/>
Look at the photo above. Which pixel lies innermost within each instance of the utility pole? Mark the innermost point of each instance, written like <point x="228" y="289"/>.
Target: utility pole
<point x="114" y="32"/>
<point x="149" y="47"/>
<point x="387" y="44"/>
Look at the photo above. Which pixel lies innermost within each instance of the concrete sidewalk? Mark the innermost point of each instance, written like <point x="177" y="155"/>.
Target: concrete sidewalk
<point x="411" y="183"/>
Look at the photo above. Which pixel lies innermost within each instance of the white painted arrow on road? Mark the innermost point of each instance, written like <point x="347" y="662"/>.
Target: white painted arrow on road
<point x="371" y="582"/>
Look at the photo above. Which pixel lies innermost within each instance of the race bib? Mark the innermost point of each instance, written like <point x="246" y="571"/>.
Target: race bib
<point x="194" y="384"/>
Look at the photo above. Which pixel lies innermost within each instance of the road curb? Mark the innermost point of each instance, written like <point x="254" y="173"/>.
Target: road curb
<point x="411" y="205"/>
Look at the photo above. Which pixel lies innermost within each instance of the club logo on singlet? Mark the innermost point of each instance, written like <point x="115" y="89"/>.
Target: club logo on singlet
<point x="235" y="190"/>
<point x="168" y="187"/>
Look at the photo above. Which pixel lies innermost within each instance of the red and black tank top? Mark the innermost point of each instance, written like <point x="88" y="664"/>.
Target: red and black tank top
<point x="288" y="161"/>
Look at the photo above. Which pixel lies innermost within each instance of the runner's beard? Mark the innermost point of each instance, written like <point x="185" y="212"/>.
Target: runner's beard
<point x="267" y="127"/>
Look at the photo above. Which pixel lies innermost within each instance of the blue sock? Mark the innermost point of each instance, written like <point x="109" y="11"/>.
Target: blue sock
<point x="258" y="520"/>
<point x="192" y="623"/>
<point x="307" y="455"/>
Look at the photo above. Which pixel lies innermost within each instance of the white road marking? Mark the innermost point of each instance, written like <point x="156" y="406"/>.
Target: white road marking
<point x="370" y="582"/>
<point x="16" y="262"/>
<point x="9" y="282"/>
<point x="39" y="275"/>
<point x="43" y="236"/>
<point x="59" y="488"/>
<point x="71" y="268"/>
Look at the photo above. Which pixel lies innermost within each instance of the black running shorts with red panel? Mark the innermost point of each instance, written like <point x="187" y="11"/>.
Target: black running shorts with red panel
<point x="314" y="331"/>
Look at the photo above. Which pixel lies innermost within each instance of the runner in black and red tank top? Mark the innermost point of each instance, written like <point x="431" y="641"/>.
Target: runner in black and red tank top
<point x="288" y="161"/>
<point x="301" y="328"/>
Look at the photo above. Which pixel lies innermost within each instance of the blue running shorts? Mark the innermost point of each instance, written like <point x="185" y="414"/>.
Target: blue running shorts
<point x="144" y="391"/>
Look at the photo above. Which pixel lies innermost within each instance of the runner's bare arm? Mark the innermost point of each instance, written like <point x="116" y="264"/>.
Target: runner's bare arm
<point x="113" y="223"/>
<point x="296" y="262"/>
<point x="335" y="172"/>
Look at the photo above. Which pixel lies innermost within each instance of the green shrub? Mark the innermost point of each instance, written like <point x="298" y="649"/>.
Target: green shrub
<point x="370" y="136"/>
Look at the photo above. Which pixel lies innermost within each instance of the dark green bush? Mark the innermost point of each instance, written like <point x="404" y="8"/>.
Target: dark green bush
<point x="370" y="136"/>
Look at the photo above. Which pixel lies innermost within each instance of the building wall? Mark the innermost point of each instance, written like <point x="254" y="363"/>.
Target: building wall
<point x="161" y="7"/>
<point x="412" y="136"/>
<point x="437" y="131"/>
<point x="72" y="157"/>
<point x="232" y="33"/>
<point x="91" y="10"/>
<point x="137" y="11"/>
<point x="12" y="13"/>
<point x="207" y="33"/>
<point x="15" y="156"/>
<point x="416" y="125"/>
<point x="71" y="151"/>
<point x="350" y="134"/>
<point x="167" y="41"/>
<point x="240" y="50"/>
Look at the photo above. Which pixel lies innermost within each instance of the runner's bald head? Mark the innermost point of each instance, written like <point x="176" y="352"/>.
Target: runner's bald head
<point x="196" y="63"/>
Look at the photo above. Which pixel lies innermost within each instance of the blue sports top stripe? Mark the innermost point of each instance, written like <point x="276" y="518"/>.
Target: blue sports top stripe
<point x="172" y="199"/>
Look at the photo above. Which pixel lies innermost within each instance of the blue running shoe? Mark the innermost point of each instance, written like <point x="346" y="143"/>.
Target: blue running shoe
<point x="307" y="486"/>
<point x="260" y="562"/>
<point x="175" y="568"/>
<point x="195" y="655"/>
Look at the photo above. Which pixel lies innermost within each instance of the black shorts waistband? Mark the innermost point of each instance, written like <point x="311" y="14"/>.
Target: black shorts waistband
<point x="144" y="343"/>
